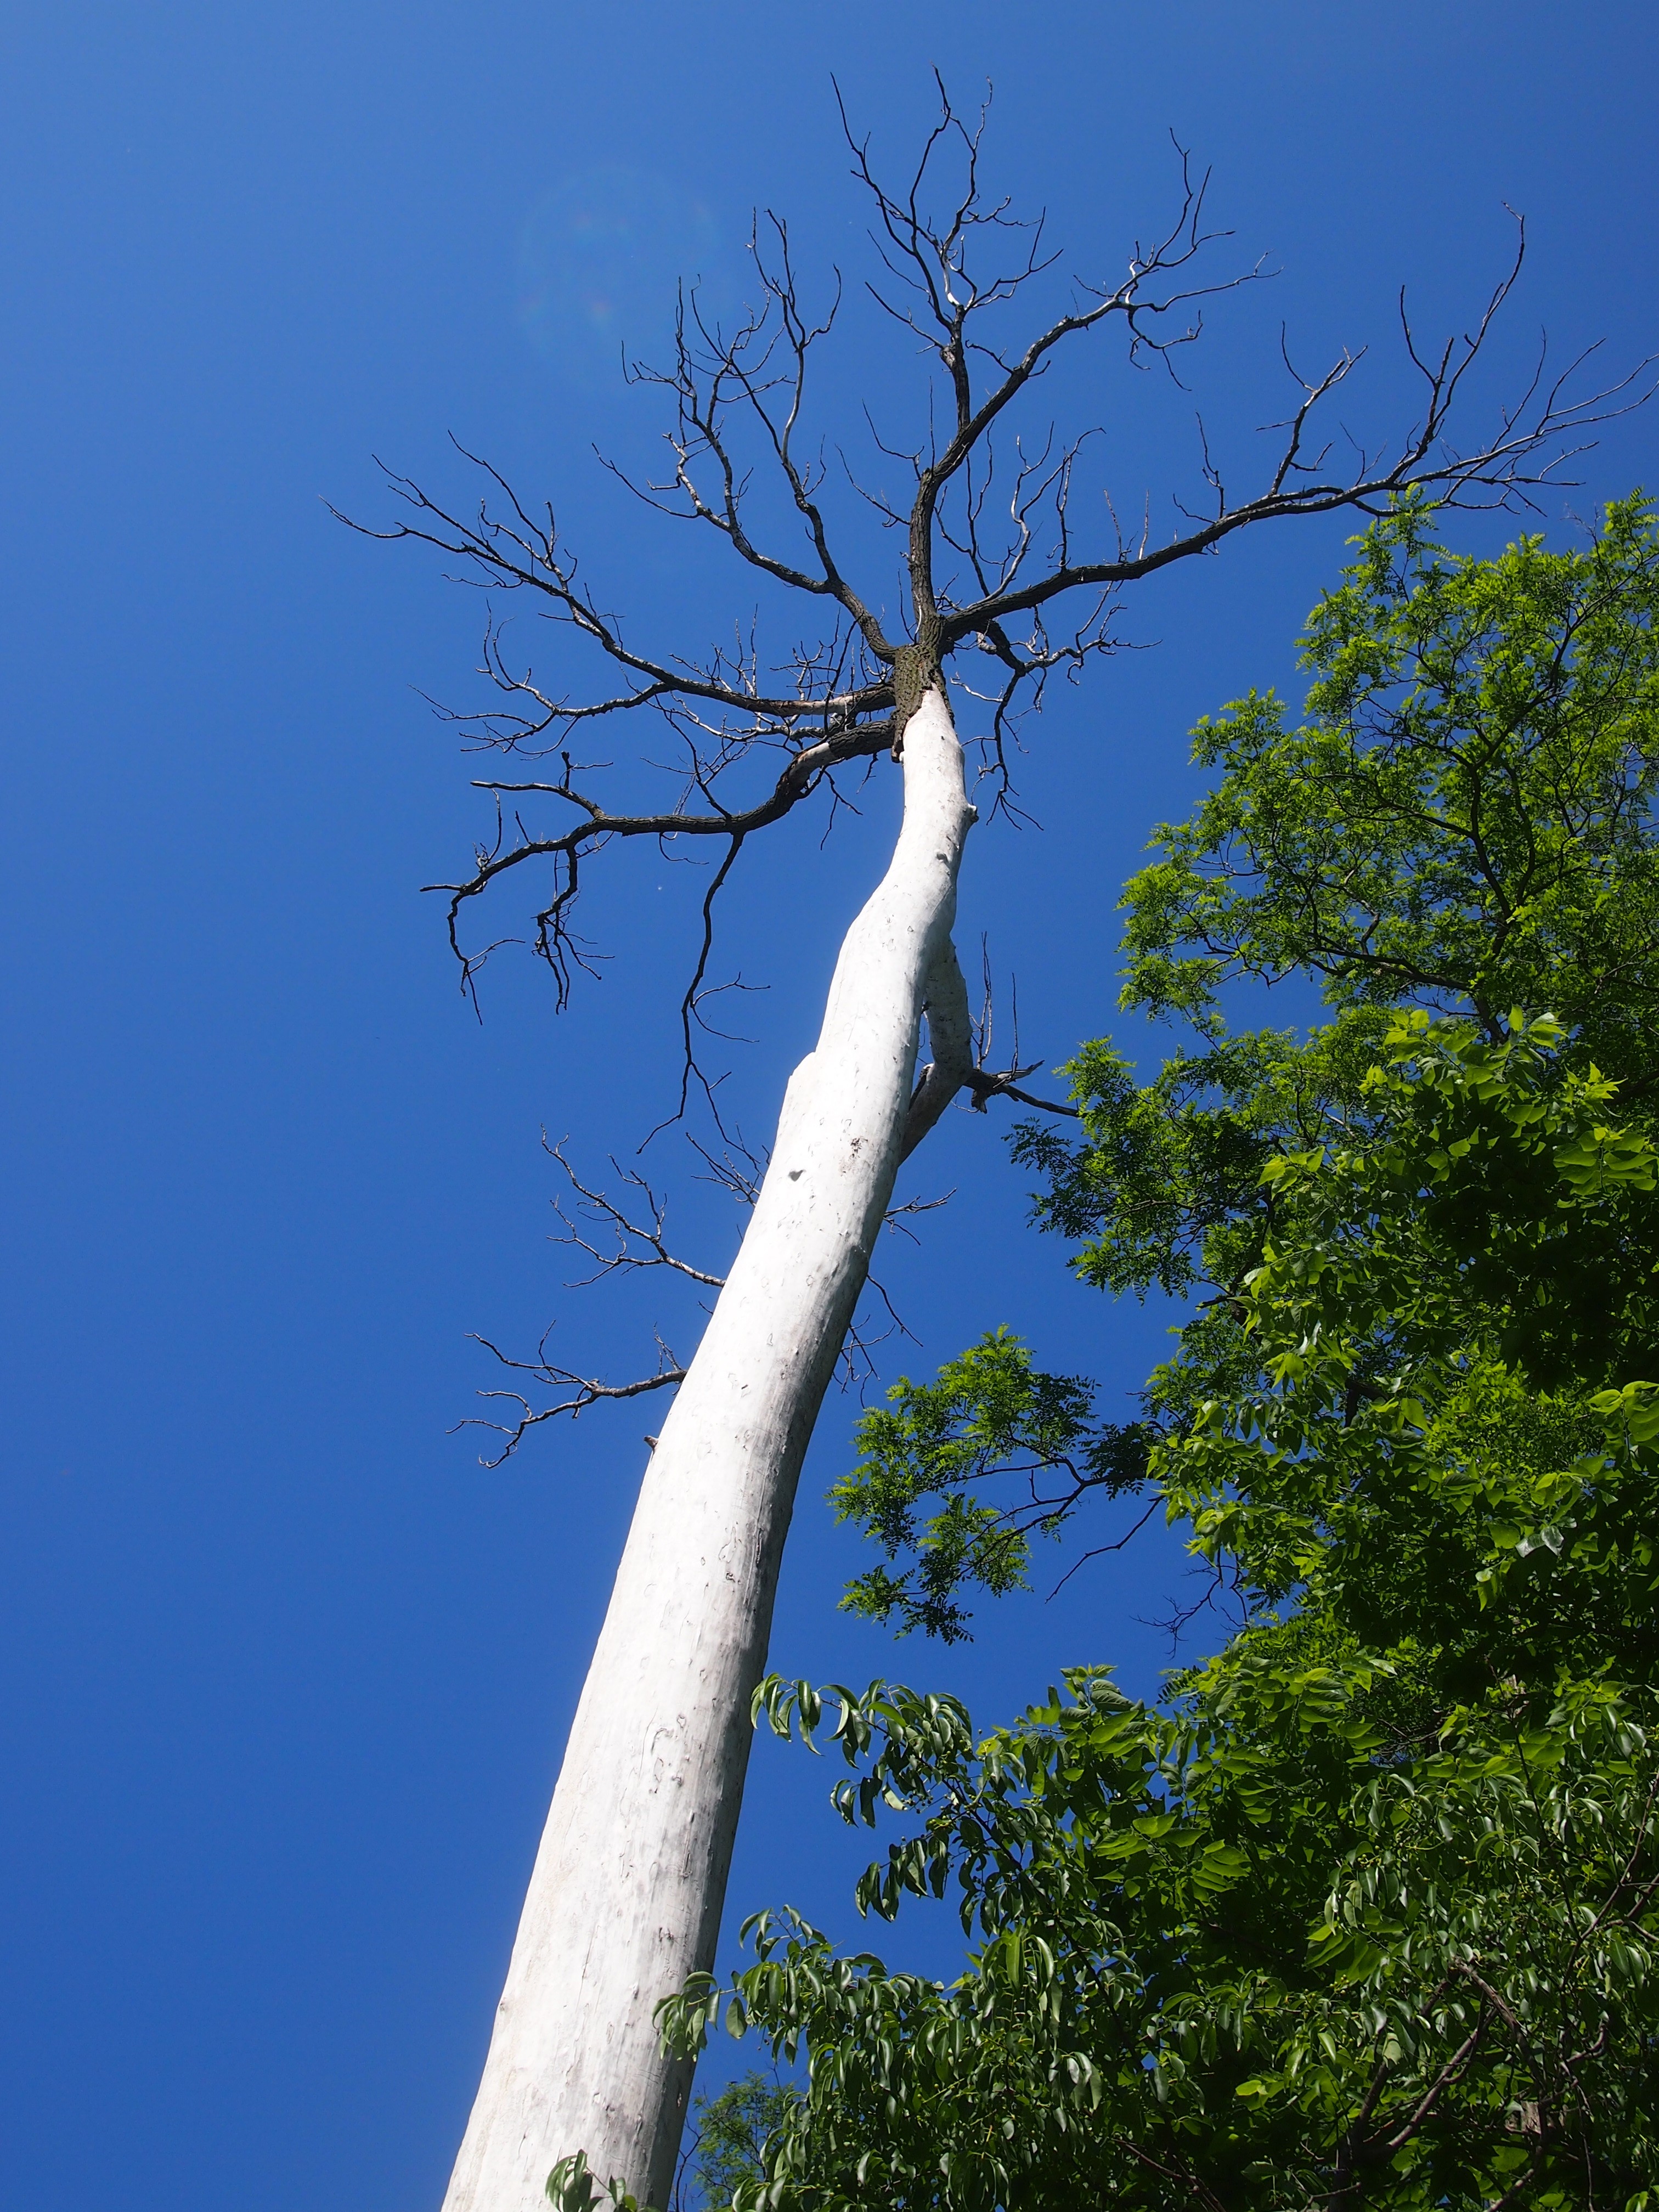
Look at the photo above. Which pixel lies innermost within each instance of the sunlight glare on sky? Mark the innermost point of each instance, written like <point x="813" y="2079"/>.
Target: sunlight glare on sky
<point x="600" y="257"/>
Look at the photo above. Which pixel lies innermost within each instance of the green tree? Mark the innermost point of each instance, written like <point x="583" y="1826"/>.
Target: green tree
<point x="730" y="2133"/>
<point x="1462" y="822"/>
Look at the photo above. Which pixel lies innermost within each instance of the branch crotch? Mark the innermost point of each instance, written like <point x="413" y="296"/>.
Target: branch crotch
<point x="950" y="1034"/>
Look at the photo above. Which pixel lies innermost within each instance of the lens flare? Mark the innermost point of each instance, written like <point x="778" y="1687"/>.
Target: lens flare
<point x="600" y="257"/>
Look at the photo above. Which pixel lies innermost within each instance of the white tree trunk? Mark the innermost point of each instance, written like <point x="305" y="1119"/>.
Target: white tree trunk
<point x="626" y="1897"/>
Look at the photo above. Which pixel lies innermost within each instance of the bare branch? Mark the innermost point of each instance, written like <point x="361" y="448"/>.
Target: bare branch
<point x="583" y="1391"/>
<point x="808" y="769"/>
<point x="988" y="493"/>
<point x="519" y="554"/>
<point x="986" y="1087"/>
<point x="1523" y="453"/>
<point x="633" y="1245"/>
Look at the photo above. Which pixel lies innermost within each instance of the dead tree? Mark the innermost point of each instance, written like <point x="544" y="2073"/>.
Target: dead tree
<point x="626" y="1897"/>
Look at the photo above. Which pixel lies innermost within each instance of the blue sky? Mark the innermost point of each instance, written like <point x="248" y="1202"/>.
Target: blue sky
<point x="287" y="1672"/>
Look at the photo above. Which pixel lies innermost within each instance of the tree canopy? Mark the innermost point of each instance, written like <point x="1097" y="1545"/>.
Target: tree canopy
<point x="1461" y="820"/>
<point x="1462" y="824"/>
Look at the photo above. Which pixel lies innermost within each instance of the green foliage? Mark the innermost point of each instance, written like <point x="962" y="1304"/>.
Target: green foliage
<point x="1166" y="1191"/>
<point x="574" y="2186"/>
<point x="1463" y="820"/>
<point x="1258" y="1951"/>
<point x="1365" y="1912"/>
<point x="1450" y="1337"/>
<point x="989" y="1414"/>
<point x="731" y="2134"/>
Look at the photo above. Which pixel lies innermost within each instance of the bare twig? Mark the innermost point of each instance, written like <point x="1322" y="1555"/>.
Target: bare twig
<point x="583" y="1391"/>
<point x="633" y="1246"/>
<point x="948" y="279"/>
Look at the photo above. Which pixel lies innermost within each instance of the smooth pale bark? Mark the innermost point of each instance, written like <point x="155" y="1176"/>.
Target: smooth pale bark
<point x="626" y="1896"/>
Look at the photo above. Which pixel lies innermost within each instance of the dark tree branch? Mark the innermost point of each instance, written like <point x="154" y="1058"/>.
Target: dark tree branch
<point x="994" y="563"/>
<point x="633" y="1246"/>
<point x="808" y="768"/>
<point x="849" y="693"/>
<point x="583" y="1391"/>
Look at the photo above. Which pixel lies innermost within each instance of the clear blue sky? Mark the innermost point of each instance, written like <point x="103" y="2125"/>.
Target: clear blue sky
<point x="286" y="1673"/>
